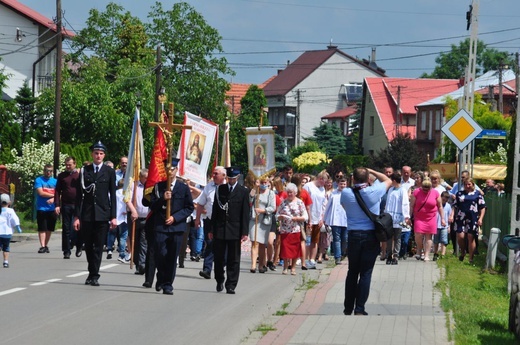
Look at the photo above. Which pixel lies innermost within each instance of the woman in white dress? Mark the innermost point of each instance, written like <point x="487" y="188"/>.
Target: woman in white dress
<point x="263" y="206"/>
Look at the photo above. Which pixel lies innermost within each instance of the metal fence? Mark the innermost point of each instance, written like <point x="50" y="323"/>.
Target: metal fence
<point x="498" y="215"/>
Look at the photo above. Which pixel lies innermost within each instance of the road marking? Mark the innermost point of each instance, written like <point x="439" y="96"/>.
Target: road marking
<point x="108" y="266"/>
<point x="46" y="282"/>
<point x="6" y="292"/>
<point x="77" y="274"/>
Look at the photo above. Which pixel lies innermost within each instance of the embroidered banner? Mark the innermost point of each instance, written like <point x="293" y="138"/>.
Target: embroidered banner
<point x="260" y="150"/>
<point x="195" y="148"/>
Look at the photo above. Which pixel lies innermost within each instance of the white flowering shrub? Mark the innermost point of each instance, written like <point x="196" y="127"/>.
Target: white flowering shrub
<point x="30" y="165"/>
<point x="499" y="157"/>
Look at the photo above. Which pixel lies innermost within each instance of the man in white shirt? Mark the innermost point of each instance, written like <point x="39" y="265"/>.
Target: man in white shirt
<point x="316" y="191"/>
<point x="406" y="180"/>
<point x="204" y="210"/>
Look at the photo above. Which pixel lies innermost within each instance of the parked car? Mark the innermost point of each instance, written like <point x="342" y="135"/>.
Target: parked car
<point x="513" y="243"/>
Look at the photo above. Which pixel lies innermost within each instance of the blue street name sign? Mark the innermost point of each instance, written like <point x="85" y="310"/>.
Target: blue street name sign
<point x="492" y="134"/>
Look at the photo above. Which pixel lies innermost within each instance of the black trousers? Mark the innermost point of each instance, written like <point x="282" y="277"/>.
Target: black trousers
<point x="140" y="243"/>
<point x="167" y="248"/>
<point x="68" y="235"/>
<point x="149" y="267"/>
<point x="227" y="253"/>
<point x="94" y="234"/>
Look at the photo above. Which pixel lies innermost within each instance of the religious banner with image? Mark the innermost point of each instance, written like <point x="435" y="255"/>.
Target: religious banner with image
<point x="195" y="148"/>
<point x="260" y="150"/>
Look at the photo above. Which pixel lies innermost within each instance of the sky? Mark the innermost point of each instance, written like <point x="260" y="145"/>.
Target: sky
<point x="259" y="37"/>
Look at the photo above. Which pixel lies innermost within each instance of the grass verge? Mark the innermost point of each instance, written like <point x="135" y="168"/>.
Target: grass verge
<point x="264" y="328"/>
<point x="477" y="299"/>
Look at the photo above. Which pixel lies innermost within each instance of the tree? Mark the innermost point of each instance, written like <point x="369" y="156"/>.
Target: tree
<point x="32" y="125"/>
<point x="330" y="139"/>
<point x="487" y="119"/>
<point x="252" y="105"/>
<point x="193" y="76"/>
<point x="452" y="64"/>
<point x="10" y="130"/>
<point x="402" y="150"/>
<point x="101" y="90"/>
<point x="281" y="159"/>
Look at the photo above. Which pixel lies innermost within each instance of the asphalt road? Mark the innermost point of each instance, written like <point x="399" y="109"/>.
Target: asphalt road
<point x="43" y="300"/>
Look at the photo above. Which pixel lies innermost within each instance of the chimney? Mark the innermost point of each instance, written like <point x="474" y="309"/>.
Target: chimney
<point x="373" y="56"/>
<point x="330" y="46"/>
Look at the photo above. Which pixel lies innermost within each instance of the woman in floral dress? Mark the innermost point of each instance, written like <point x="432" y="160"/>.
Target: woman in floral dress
<point x="292" y="214"/>
<point x="470" y="209"/>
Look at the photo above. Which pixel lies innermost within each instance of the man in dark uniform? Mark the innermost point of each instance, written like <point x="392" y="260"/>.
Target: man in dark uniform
<point x="169" y="231"/>
<point x="95" y="209"/>
<point x="230" y="226"/>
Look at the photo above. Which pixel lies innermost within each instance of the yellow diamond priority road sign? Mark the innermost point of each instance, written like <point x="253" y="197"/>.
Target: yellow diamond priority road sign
<point x="461" y="129"/>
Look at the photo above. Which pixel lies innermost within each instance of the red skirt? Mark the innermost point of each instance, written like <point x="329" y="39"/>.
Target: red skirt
<point x="290" y="246"/>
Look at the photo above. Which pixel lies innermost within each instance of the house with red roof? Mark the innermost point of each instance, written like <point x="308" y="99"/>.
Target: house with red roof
<point x="389" y="108"/>
<point x="27" y="48"/>
<point x="236" y="92"/>
<point x="317" y="83"/>
<point x="394" y="106"/>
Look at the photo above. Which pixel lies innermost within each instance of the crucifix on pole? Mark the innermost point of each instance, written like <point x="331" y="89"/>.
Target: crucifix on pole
<point x="167" y="128"/>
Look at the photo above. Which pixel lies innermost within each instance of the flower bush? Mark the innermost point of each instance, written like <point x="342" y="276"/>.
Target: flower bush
<point x="28" y="166"/>
<point x="310" y="162"/>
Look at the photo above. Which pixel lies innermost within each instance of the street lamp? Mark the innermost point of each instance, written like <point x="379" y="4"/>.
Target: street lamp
<point x="293" y="130"/>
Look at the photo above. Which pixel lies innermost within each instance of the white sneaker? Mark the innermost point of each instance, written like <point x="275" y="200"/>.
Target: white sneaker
<point x="128" y="256"/>
<point x="311" y="264"/>
<point x="298" y="262"/>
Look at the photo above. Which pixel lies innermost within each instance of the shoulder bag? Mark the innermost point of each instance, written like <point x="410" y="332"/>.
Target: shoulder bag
<point x="383" y="222"/>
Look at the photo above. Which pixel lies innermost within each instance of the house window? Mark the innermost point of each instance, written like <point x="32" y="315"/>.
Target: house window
<point x="371" y="126"/>
<point x="353" y="92"/>
<point x="438" y="120"/>
<point x="423" y="121"/>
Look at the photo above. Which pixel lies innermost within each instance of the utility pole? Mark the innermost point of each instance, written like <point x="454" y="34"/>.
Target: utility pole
<point x="298" y="103"/>
<point x="157" y="83"/>
<point x="57" y="105"/>
<point x="398" y="111"/>
<point x="466" y="155"/>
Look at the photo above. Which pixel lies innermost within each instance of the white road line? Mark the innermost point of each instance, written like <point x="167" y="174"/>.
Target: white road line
<point x="6" y="292"/>
<point x="45" y="282"/>
<point x="77" y="274"/>
<point x="108" y="266"/>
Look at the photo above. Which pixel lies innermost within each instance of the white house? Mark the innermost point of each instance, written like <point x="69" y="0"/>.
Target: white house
<point x="318" y="83"/>
<point x="27" y="47"/>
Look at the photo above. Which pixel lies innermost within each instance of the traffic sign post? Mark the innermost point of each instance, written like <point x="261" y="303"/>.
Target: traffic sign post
<point x="462" y="129"/>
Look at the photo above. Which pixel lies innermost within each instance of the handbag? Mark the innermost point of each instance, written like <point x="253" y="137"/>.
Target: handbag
<point x="267" y="219"/>
<point x="383" y="222"/>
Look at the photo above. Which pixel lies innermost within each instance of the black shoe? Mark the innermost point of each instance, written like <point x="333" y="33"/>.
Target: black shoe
<point x="78" y="252"/>
<point x="181" y="265"/>
<point x="230" y="291"/>
<point x="94" y="282"/>
<point x="88" y="281"/>
<point x="147" y="285"/>
<point x="389" y="261"/>
<point x="66" y="255"/>
<point x="361" y="313"/>
<point x="47" y="249"/>
<point x="192" y="258"/>
<point x="394" y="262"/>
<point x="347" y="312"/>
<point x="205" y="274"/>
<point x="139" y="270"/>
<point x="220" y="287"/>
<point x="109" y="255"/>
<point x="304" y="268"/>
<point x="41" y="250"/>
<point x="271" y="266"/>
<point x="158" y="287"/>
<point x="167" y="292"/>
<point x="262" y="269"/>
<point x="197" y="258"/>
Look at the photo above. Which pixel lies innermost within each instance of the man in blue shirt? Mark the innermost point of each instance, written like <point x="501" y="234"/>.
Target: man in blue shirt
<point x="45" y="187"/>
<point x="363" y="246"/>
